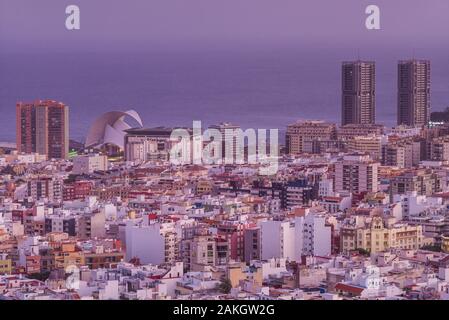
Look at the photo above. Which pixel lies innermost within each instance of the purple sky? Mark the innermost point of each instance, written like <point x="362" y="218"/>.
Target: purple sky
<point x="147" y="24"/>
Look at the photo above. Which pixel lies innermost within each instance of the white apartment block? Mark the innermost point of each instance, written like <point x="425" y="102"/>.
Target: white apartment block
<point x="277" y="240"/>
<point x="304" y="236"/>
<point x="145" y="243"/>
<point x="326" y="188"/>
<point x="86" y="164"/>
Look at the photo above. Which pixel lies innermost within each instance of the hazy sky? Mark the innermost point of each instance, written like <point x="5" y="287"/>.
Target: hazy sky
<point x="169" y="88"/>
<point x="152" y="24"/>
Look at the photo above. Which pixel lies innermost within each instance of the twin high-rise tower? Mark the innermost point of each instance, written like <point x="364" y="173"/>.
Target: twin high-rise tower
<point x="414" y="92"/>
<point x="359" y="92"/>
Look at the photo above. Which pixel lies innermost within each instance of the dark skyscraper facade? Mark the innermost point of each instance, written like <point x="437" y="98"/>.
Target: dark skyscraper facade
<point x="413" y="92"/>
<point x="43" y="127"/>
<point x="358" y="92"/>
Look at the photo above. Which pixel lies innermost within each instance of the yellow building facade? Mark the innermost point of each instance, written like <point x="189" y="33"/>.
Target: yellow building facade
<point x="445" y="243"/>
<point x="377" y="237"/>
<point x="5" y="266"/>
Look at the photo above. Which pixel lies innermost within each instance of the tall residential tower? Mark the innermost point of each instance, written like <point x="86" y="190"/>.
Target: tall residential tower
<point x="358" y="92"/>
<point x="43" y="127"/>
<point x="414" y="92"/>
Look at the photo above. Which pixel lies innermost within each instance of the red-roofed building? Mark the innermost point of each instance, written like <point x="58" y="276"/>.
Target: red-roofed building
<point x="348" y="289"/>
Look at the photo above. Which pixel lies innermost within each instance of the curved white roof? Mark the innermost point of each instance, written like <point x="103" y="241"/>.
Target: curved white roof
<point x="109" y="128"/>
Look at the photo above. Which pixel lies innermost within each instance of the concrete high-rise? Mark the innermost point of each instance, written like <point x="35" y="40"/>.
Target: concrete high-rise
<point x="229" y="140"/>
<point x="356" y="174"/>
<point x="413" y="92"/>
<point x="358" y="92"/>
<point x="43" y="127"/>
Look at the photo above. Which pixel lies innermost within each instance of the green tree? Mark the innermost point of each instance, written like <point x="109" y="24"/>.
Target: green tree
<point x="433" y="247"/>
<point x="225" y="286"/>
<point x="363" y="252"/>
<point x="40" y="276"/>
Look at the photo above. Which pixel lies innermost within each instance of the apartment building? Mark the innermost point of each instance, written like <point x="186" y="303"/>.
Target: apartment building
<point x="277" y="240"/>
<point x="358" y="86"/>
<point x="371" y="145"/>
<point x="300" y="132"/>
<point x="402" y="154"/>
<point x="198" y="252"/>
<point x="352" y="130"/>
<point x="43" y="127"/>
<point x="356" y="174"/>
<point x="414" y="92"/>
<point x="423" y="181"/>
<point x="439" y="149"/>
<point x="45" y="187"/>
<point x="86" y="164"/>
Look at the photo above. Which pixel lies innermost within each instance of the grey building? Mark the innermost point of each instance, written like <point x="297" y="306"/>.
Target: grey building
<point x="413" y="92"/>
<point x="358" y="92"/>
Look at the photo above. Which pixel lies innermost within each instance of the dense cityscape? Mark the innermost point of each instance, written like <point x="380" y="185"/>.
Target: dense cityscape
<point x="354" y="211"/>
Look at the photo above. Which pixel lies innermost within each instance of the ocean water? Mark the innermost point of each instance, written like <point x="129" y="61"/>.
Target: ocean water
<point x="255" y="89"/>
